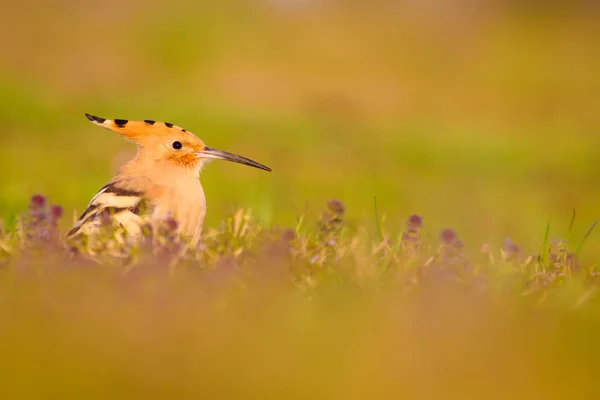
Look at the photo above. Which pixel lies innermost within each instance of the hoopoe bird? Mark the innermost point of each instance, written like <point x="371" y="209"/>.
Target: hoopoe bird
<point x="161" y="182"/>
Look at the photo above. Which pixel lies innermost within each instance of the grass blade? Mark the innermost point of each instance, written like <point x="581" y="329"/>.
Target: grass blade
<point x="571" y="224"/>
<point x="544" y="253"/>
<point x="585" y="237"/>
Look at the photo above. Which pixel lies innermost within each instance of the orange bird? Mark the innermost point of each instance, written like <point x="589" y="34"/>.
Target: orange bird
<point x="162" y="180"/>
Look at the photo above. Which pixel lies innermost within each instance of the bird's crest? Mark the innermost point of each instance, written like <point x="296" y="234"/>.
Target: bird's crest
<point x="138" y="130"/>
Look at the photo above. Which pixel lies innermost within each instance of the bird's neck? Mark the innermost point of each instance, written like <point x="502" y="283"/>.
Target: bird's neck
<point x="183" y="199"/>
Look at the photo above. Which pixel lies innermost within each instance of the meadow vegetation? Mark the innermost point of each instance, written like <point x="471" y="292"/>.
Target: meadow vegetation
<point x="315" y="310"/>
<point x="428" y="229"/>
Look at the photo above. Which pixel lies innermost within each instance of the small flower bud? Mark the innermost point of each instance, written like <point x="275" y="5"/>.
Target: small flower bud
<point x="288" y="235"/>
<point x="56" y="212"/>
<point x="415" y="221"/>
<point x="171" y="224"/>
<point x="448" y="236"/>
<point x="511" y="249"/>
<point x="336" y="207"/>
<point x="38" y="201"/>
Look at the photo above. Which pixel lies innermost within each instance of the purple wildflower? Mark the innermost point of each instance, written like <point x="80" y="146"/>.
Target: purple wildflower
<point x="448" y="236"/>
<point x="415" y="221"/>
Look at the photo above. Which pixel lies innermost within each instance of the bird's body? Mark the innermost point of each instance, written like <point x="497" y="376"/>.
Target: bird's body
<point x="161" y="182"/>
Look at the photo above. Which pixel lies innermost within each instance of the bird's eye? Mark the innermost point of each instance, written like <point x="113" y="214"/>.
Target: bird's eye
<point x="177" y="145"/>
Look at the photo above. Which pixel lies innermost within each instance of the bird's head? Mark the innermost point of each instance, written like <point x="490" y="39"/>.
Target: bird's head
<point x="168" y="144"/>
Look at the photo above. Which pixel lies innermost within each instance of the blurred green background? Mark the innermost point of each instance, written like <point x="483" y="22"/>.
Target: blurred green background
<point x="479" y="115"/>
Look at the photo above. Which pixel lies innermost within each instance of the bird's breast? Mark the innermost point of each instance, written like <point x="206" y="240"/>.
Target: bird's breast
<point x="185" y="202"/>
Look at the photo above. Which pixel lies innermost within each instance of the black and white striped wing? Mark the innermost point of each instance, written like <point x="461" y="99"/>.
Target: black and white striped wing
<point x="123" y="205"/>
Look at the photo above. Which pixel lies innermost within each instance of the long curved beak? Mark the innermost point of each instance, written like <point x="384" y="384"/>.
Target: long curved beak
<point x="223" y="155"/>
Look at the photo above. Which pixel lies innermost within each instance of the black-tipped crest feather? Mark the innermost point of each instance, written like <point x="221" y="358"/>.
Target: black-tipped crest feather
<point x="94" y="118"/>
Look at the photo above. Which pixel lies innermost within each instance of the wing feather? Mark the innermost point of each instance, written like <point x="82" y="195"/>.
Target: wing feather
<point x="124" y="205"/>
